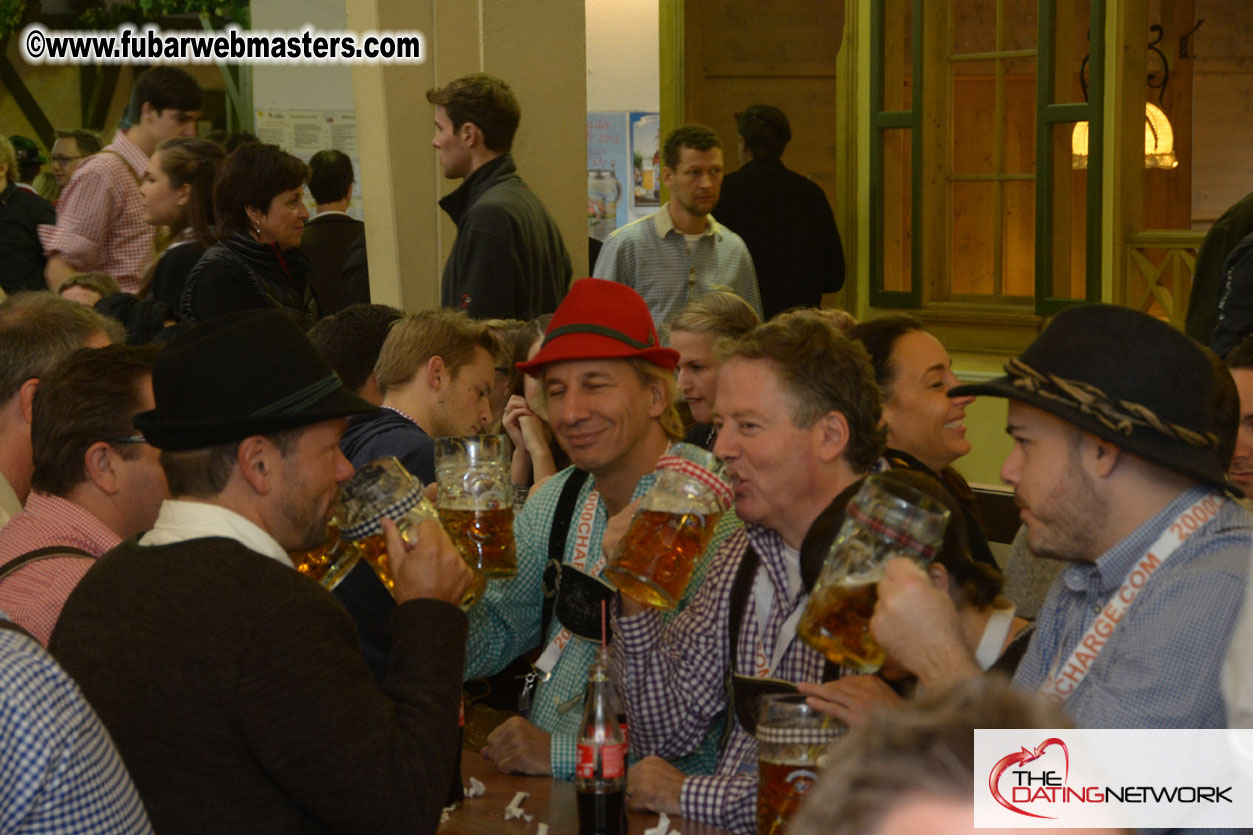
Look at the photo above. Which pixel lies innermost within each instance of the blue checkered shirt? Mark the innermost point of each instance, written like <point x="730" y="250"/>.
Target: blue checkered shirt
<point x="654" y="258"/>
<point x="1161" y="667"/>
<point x="673" y="677"/>
<point x="59" y="771"/>
<point x="506" y="622"/>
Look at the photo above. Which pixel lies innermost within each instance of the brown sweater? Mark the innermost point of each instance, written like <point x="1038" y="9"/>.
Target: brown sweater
<point x="235" y="691"/>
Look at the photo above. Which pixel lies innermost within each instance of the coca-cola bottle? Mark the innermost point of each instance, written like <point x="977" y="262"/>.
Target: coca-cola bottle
<point x="600" y="774"/>
<point x="456" y="792"/>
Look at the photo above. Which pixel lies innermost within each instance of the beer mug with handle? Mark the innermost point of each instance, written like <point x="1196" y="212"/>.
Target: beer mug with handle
<point x="886" y="519"/>
<point x="672" y="528"/>
<point x="385" y="489"/>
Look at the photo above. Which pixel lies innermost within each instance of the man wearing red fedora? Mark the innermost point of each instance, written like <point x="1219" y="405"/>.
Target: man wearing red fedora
<point x="232" y="684"/>
<point x="1116" y="469"/>
<point x="609" y="387"/>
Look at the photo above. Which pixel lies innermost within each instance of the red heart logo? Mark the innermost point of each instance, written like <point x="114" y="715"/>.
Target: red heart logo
<point x="1022" y="758"/>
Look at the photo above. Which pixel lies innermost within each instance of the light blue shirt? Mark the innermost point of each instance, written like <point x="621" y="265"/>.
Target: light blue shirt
<point x="653" y="257"/>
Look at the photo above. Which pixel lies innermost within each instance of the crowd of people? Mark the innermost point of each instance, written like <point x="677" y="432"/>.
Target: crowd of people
<point x="173" y="428"/>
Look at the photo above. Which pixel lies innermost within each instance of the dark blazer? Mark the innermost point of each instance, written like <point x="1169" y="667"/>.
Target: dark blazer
<point x="326" y="241"/>
<point x="786" y="221"/>
<point x="21" y="255"/>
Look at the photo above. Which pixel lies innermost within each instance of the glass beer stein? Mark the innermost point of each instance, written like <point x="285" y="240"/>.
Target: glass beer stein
<point x="886" y="519"/>
<point x="672" y="528"/>
<point x="330" y="562"/>
<point x="385" y="489"/>
<point x="792" y="740"/>
<point x="476" y="500"/>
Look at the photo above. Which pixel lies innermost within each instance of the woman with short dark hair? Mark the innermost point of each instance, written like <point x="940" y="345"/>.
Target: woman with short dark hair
<point x="258" y="201"/>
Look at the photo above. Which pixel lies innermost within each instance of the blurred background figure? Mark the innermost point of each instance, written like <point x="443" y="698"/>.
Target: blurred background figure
<point x="88" y="288"/>
<point x="694" y="333"/>
<point x="912" y="770"/>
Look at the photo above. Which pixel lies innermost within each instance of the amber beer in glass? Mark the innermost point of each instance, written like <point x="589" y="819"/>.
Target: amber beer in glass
<point x="331" y="561"/>
<point x="886" y="519"/>
<point x="654" y="561"/>
<point x="384" y="489"/>
<point x="476" y="500"/>
<point x="792" y="740"/>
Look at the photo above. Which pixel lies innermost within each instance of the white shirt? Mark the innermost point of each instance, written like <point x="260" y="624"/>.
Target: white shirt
<point x="180" y="521"/>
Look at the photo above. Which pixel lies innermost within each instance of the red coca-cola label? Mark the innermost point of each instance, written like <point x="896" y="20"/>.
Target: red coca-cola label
<point x="613" y="761"/>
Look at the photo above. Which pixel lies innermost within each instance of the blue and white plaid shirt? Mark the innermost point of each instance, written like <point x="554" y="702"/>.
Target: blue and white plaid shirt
<point x="506" y="622"/>
<point x="1161" y="668"/>
<point x="653" y="257"/>
<point x="673" y="677"/>
<point x="59" y="771"/>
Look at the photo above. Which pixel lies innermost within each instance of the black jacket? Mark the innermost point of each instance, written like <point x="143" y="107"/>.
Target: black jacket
<point x="509" y="260"/>
<point x="239" y="273"/>
<point x="327" y="240"/>
<point x="21" y="255"/>
<point x="786" y="221"/>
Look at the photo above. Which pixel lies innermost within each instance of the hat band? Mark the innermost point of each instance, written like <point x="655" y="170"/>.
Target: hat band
<point x="1121" y="416"/>
<point x="600" y="330"/>
<point x="301" y="398"/>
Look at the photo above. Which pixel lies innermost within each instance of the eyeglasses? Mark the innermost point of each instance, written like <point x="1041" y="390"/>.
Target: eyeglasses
<point x="61" y="159"/>
<point x="129" y="439"/>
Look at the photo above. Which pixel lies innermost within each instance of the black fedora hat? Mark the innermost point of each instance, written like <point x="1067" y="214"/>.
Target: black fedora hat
<point x="241" y="374"/>
<point x="1125" y="377"/>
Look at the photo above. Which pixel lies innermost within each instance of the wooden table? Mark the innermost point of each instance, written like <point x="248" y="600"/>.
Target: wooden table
<point x="551" y="801"/>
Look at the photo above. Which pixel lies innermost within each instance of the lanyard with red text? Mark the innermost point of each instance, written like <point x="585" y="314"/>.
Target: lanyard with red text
<point x="582" y="552"/>
<point x="1064" y="679"/>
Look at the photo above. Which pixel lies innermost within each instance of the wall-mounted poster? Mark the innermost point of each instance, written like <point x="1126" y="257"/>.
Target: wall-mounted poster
<point x="608" y="164"/>
<point x="305" y="132"/>
<point x="645" y="163"/>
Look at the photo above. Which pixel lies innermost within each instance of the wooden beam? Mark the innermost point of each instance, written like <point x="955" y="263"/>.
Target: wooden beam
<point x="12" y="81"/>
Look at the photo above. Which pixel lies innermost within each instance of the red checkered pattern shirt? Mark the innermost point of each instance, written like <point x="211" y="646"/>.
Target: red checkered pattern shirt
<point x="100" y="216"/>
<point x="673" y="676"/>
<point x="32" y="596"/>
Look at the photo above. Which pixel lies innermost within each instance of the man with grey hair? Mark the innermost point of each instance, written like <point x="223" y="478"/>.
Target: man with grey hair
<point x="37" y="330"/>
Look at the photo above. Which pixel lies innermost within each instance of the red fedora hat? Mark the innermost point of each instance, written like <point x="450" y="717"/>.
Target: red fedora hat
<point x="601" y="319"/>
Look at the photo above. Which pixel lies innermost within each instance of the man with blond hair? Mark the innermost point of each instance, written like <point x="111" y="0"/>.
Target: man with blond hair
<point x="435" y="371"/>
<point x="609" y="387"/>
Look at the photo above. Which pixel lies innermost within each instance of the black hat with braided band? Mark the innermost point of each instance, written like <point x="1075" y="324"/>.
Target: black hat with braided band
<point x="1125" y="377"/>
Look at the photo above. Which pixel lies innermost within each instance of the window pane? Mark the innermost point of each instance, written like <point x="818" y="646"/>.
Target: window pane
<point x="973" y="214"/>
<point x="1018" y="258"/>
<point x="897" y="54"/>
<point x="974" y="117"/>
<point x="974" y="26"/>
<point x="1070" y="48"/>
<point x="897" y="228"/>
<point x="1020" y="117"/>
<point x="1070" y="215"/>
<point x="1022" y="25"/>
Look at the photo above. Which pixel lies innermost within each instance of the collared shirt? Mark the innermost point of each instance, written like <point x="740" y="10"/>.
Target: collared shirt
<point x="653" y="257"/>
<point x="61" y="771"/>
<point x="10" y="504"/>
<point x="101" y="224"/>
<point x="181" y="520"/>
<point x="34" y="594"/>
<point x="1160" y="668"/>
<point x="506" y="622"/>
<point x="673" y="677"/>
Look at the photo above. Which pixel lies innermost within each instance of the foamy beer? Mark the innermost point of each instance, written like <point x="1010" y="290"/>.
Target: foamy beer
<point x="653" y="563"/>
<point x="329" y="563"/>
<point x="886" y="519"/>
<point x="476" y="500"/>
<point x="384" y="489"/>
<point x="792" y="740"/>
